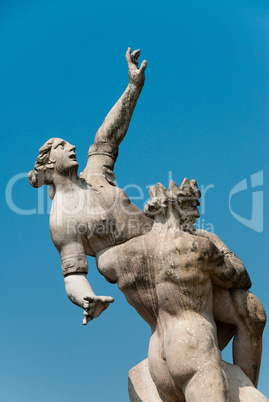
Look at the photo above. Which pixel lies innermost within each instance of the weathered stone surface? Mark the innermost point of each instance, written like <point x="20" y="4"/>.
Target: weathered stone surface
<point x="168" y="275"/>
<point x="142" y="388"/>
<point x="185" y="283"/>
<point x="89" y="213"/>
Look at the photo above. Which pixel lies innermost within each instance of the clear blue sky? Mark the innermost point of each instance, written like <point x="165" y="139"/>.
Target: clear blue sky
<point x="202" y="115"/>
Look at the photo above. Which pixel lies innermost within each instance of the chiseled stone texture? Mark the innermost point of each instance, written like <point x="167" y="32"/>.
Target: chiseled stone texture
<point x="142" y="388"/>
<point x="185" y="283"/>
<point x="174" y="276"/>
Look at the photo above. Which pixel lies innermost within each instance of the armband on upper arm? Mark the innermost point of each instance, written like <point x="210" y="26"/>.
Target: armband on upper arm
<point x="106" y="165"/>
<point x="72" y="264"/>
<point x="104" y="148"/>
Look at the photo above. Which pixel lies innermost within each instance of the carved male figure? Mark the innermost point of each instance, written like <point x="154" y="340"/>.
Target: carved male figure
<point x="167" y="275"/>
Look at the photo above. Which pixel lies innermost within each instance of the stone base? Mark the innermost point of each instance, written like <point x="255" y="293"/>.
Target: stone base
<point x="142" y="388"/>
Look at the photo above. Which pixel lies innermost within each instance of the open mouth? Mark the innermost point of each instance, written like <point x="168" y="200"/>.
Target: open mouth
<point x="73" y="156"/>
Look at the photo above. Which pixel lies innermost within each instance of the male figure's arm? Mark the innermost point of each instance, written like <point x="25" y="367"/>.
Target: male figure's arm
<point x="232" y="265"/>
<point x="227" y="270"/>
<point x="104" y="151"/>
<point x="239" y="314"/>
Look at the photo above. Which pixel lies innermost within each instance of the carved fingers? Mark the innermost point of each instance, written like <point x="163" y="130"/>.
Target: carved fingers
<point x="143" y="66"/>
<point x="128" y="55"/>
<point x="94" y="306"/>
<point x="136" y="74"/>
<point x="134" y="57"/>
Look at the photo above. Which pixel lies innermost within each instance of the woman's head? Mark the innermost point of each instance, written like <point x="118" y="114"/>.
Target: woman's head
<point x="43" y="169"/>
<point x="55" y="155"/>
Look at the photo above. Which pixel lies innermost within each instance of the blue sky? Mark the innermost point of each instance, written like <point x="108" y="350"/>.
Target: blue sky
<point x="202" y="115"/>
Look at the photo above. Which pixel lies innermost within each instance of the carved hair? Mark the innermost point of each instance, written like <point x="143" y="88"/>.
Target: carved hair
<point x="161" y="198"/>
<point x="41" y="174"/>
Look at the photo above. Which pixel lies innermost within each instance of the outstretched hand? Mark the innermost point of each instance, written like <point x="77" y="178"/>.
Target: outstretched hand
<point x="136" y="74"/>
<point x="94" y="306"/>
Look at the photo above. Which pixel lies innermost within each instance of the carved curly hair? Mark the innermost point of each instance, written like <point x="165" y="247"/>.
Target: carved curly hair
<point x="161" y="198"/>
<point x="41" y="174"/>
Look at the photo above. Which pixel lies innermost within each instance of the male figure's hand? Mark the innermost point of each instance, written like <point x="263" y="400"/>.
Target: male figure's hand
<point x="94" y="306"/>
<point x="136" y="74"/>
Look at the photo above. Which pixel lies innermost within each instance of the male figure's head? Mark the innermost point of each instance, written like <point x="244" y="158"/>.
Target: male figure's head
<point x="56" y="158"/>
<point x="181" y="202"/>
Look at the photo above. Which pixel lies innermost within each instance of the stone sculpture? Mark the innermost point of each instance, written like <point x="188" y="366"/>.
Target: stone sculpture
<point x="171" y="287"/>
<point x="192" y="290"/>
